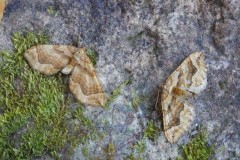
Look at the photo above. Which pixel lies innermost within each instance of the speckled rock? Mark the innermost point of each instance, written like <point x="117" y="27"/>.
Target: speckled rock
<point x="144" y="41"/>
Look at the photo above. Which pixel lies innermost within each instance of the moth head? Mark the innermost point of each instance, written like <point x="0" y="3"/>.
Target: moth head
<point x="79" y="55"/>
<point x="198" y="61"/>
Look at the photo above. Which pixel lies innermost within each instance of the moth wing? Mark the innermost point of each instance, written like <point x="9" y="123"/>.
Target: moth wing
<point x="184" y="117"/>
<point x="84" y="83"/>
<point x="199" y="79"/>
<point x="178" y="115"/>
<point x="2" y="6"/>
<point x="49" y="59"/>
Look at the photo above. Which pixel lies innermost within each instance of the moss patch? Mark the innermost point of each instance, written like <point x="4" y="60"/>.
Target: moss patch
<point x="52" y="11"/>
<point x="116" y="93"/>
<point x="34" y="115"/>
<point x="110" y="150"/>
<point x="222" y="84"/>
<point x="92" y="56"/>
<point x="138" y="150"/>
<point x="135" y="101"/>
<point x="197" y="148"/>
<point x="151" y="131"/>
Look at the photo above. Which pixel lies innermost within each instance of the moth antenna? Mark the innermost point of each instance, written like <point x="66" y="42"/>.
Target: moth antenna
<point x="156" y="104"/>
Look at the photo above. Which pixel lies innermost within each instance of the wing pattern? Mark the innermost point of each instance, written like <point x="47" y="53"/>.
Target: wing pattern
<point x="84" y="84"/>
<point x="188" y="79"/>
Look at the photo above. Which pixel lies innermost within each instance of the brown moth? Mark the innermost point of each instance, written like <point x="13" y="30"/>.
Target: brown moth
<point x="84" y="84"/>
<point x="188" y="79"/>
<point x="2" y="6"/>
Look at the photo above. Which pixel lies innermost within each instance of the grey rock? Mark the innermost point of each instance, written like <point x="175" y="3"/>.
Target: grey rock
<point x="145" y="40"/>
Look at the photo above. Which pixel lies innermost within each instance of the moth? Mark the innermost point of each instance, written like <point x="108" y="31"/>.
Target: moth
<point x="189" y="79"/>
<point x="83" y="83"/>
<point x="2" y="6"/>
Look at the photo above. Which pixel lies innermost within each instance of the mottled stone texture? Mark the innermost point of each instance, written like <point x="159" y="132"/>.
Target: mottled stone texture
<point x="144" y="41"/>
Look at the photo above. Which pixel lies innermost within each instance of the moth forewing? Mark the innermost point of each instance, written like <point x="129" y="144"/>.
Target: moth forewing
<point x="187" y="80"/>
<point x="3" y="3"/>
<point x="48" y="59"/>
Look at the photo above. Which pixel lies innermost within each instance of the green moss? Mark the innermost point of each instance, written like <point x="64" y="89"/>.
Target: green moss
<point x="34" y="116"/>
<point x="116" y="93"/>
<point x="52" y="11"/>
<point x="140" y="146"/>
<point x="92" y="55"/>
<point x="151" y="131"/>
<point x="85" y="152"/>
<point x="135" y="101"/>
<point x="179" y="158"/>
<point x="130" y="157"/>
<point x="222" y="84"/>
<point x="138" y="150"/>
<point x="197" y="148"/>
<point x="110" y="150"/>
<point x="78" y="113"/>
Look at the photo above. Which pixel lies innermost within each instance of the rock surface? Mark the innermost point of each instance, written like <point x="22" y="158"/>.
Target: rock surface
<point x="144" y="41"/>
